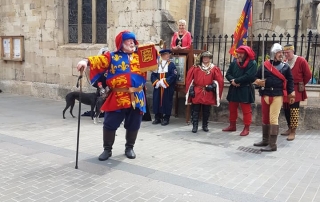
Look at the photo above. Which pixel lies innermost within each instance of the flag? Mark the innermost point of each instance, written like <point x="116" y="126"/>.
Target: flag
<point x="240" y="35"/>
<point x="148" y="57"/>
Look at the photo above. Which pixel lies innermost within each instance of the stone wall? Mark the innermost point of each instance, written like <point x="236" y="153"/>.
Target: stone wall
<point x="50" y="62"/>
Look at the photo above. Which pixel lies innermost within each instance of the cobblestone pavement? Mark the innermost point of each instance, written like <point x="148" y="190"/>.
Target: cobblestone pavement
<point x="37" y="155"/>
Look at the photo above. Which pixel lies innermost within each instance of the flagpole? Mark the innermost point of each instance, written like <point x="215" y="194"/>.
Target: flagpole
<point x="251" y="24"/>
<point x="262" y="22"/>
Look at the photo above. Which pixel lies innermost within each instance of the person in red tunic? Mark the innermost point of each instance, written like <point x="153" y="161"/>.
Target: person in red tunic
<point x="181" y="39"/>
<point x="301" y="76"/>
<point x="204" y="85"/>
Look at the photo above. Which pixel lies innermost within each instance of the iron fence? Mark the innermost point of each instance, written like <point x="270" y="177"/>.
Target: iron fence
<point x="306" y="46"/>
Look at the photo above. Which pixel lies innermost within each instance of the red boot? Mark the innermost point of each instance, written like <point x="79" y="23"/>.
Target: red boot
<point x="245" y="131"/>
<point x="231" y="127"/>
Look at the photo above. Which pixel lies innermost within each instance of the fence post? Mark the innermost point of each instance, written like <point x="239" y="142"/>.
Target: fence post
<point x="225" y="52"/>
<point x="219" y="47"/>
<point x="288" y="37"/>
<point x="202" y="37"/>
<point x="309" y="41"/>
<point x="314" y="57"/>
<point x="302" y="37"/>
<point x="273" y="37"/>
<point x="208" y="37"/>
<point x="280" y="36"/>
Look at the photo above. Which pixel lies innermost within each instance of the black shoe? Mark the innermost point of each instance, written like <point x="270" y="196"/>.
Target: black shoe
<point x="105" y="155"/>
<point x="165" y="122"/>
<point x="156" y="121"/>
<point x="205" y="128"/>
<point x="130" y="153"/>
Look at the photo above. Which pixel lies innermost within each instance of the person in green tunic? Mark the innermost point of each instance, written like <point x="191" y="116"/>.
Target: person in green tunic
<point x="241" y="75"/>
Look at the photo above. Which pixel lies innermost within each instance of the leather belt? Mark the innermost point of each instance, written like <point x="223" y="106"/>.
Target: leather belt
<point x="271" y="88"/>
<point x="202" y="87"/>
<point x="130" y="90"/>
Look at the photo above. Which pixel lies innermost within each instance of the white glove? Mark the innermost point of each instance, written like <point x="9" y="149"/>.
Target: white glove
<point x="157" y="84"/>
<point x="82" y="65"/>
<point x="162" y="84"/>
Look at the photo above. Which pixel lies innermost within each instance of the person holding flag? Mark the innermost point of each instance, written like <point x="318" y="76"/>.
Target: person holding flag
<point x="241" y="74"/>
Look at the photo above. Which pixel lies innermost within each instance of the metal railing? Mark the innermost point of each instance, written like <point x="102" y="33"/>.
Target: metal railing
<point x="219" y="45"/>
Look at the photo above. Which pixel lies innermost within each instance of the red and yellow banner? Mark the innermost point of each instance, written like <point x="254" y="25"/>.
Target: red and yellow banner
<point x="148" y="57"/>
<point x="240" y="35"/>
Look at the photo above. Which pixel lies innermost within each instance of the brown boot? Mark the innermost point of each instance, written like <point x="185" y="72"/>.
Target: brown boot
<point x="286" y="133"/>
<point x="231" y="127"/>
<point x="292" y="134"/>
<point x="265" y="136"/>
<point x="274" y="131"/>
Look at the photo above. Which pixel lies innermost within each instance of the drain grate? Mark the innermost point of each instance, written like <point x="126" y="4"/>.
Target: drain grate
<point x="249" y="149"/>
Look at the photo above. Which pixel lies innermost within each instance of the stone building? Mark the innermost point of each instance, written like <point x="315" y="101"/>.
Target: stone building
<point x="58" y="33"/>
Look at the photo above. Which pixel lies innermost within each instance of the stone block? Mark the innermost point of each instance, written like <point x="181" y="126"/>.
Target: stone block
<point x="125" y="18"/>
<point x="146" y="16"/>
<point x="51" y="45"/>
<point x="313" y="94"/>
<point x="50" y="25"/>
<point x="50" y="53"/>
<point x="157" y="16"/>
<point x="311" y="120"/>
<point x="51" y="15"/>
<point x="148" y="5"/>
<point x="52" y="77"/>
<point x="38" y="77"/>
<point x="47" y="34"/>
<point x="284" y="4"/>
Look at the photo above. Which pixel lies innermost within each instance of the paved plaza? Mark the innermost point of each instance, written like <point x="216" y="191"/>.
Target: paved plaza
<point x="37" y="161"/>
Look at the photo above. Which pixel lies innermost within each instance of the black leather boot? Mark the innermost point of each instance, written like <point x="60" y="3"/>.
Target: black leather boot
<point x="265" y="136"/>
<point x="274" y="131"/>
<point x="195" y="117"/>
<point x="131" y="137"/>
<point x="108" y="140"/>
<point x="165" y="120"/>
<point x="205" y="117"/>
<point x="157" y="119"/>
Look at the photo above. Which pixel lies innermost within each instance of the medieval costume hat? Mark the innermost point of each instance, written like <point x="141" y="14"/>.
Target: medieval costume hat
<point x="206" y="54"/>
<point x="288" y="47"/>
<point x="247" y="50"/>
<point x="203" y="54"/>
<point x="124" y="35"/>
<point x="274" y="49"/>
<point x="165" y="51"/>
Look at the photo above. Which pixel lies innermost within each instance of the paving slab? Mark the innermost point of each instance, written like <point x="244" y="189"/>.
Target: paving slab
<point x="38" y="149"/>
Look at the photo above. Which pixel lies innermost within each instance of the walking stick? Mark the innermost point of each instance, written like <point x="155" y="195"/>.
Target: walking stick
<point x="79" y="115"/>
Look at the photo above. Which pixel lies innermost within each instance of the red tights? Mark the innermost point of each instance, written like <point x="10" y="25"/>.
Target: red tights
<point x="246" y="111"/>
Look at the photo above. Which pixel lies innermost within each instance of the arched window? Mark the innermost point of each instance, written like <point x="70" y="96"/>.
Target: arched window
<point x="267" y="11"/>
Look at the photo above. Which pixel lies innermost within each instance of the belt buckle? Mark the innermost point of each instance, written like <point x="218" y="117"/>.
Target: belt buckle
<point x="271" y="88"/>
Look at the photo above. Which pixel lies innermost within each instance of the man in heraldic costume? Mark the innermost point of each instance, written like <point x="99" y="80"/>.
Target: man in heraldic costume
<point x="204" y="85"/>
<point x="126" y="101"/>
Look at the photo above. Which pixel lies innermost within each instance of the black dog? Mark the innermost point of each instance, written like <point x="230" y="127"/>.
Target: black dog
<point x="86" y="98"/>
<point x="99" y="104"/>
